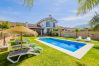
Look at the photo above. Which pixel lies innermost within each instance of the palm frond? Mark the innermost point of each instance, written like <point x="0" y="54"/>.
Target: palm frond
<point x="28" y="3"/>
<point x="80" y="1"/>
<point x="94" y="21"/>
<point x="86" y="5"/>
<point x="96" y="28"/>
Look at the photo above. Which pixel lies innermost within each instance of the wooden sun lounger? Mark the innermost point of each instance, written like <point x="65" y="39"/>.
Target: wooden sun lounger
<point x="20" y="53"/>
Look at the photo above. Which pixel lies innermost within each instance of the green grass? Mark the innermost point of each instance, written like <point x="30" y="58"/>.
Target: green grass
<point x="53" y="57"/>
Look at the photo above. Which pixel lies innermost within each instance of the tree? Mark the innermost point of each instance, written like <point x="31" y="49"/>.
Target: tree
<point x="96" y="28"/>
<point x="4" y="25"/>
<point x="86" y="5"/>
<point x="77" y="30"/>
<point x="94" y="21"/>
<point x="55" y="31"/>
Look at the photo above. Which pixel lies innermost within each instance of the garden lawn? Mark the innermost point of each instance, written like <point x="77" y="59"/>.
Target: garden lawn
<point x="53" y="57"/>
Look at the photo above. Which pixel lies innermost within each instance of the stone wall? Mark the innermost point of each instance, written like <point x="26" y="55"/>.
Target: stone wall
<point x="84" y="34"/>
<point x="7" y="39"/>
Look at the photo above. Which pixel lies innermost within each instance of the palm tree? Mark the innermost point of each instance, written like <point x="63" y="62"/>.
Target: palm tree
<point x="96" y="28"/>
<point x="77" y="30"/>
<point x="94" y="21"/>
<point x="86" y="5"/>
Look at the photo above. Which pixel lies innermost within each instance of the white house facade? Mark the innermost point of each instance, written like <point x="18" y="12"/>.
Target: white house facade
<point x="47" y="24"/>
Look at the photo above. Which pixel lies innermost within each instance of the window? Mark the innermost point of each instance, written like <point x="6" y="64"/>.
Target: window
<point x="53" y="24"/>
<point x="47" y="24"/>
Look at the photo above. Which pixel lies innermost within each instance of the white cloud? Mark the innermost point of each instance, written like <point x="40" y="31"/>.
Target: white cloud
<point x="60" y="2"/>
<point x="87" y="16"/>
<point x="58" y="5"/>
<point x="71" y="18"/>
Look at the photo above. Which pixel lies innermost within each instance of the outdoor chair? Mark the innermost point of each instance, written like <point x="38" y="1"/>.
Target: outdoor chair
<point x="23" y="46"/>
<point x="79" y="38"/>
<point x="88" y="39"/>
<point x="20" y="53"/>
<point x="26" y="40"/>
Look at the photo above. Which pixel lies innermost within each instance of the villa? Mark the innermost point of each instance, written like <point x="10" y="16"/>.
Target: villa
<point x="44" y="26"/>
<point x="49" y="32"/>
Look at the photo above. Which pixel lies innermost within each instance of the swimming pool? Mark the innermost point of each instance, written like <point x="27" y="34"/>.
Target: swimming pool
<point x="68" y="45"/>
<point x="76" y="49"/>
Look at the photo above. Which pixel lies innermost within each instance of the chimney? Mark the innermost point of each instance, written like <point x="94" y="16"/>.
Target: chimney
<point x="50" y="16"/>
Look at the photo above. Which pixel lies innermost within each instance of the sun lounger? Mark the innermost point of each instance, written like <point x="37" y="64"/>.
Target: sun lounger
<point x="23" y="46"/>
<point x="79" y="38"/>
<point x="88" y="39"/>
<point x="26" y="40"/>
<point x="20" y="53"/>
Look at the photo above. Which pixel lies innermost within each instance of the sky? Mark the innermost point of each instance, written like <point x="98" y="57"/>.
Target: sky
<point x="64" y="11"/>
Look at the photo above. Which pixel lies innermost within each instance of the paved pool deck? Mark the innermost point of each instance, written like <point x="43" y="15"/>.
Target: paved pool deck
<point x="77" y="54"/>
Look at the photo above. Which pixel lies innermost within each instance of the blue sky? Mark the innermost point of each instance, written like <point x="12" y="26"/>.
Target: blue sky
<point x="65" y="11"/>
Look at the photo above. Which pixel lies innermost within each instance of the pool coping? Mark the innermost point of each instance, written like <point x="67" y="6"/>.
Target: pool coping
<point x="77" y="54"/>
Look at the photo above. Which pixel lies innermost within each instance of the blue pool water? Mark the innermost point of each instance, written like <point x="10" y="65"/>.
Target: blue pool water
<point x="65" y="44"/>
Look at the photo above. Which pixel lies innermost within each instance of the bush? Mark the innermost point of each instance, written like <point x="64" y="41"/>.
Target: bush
<point x="13" y="43"/>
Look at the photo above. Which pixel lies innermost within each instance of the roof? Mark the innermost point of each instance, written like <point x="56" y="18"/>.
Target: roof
<point x="48" y="19"/>
<point x="33" y="26"/>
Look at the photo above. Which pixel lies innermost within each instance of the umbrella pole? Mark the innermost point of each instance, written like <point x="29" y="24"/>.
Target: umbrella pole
<point x="21" y="40"/>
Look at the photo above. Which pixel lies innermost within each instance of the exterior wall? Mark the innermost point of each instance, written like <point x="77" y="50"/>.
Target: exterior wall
<point x="84" y="34"/>
<point x="45" y="28"/>
<point x="7" y="39"/>
<point x="43" y="24"/>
